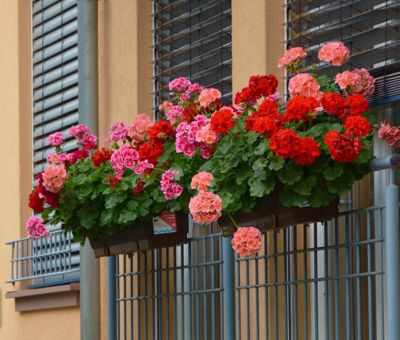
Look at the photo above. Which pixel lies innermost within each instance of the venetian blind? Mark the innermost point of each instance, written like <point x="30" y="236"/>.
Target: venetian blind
<point x="370" y="28"/>
<point x="55" y="73"/>
<point x="192" y="39"/>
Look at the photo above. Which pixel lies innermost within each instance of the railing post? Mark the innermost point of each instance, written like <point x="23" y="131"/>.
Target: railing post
<point x="392" y="259"/>
<point x="88" y="114"/>
<point x="112" y="317"/>
<point x="229" y="289"/>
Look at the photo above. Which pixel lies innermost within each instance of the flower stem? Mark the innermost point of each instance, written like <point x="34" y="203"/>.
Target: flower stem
<point x="233" y="221"/>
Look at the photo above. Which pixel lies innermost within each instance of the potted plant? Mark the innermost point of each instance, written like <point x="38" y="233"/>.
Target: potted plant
<point x="260" y="159"/>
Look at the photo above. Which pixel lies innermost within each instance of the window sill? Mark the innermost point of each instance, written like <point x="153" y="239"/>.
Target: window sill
<point x="45" y="298"/>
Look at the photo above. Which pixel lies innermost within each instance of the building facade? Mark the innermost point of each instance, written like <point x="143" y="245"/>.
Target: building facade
<point x="295" y="289"/>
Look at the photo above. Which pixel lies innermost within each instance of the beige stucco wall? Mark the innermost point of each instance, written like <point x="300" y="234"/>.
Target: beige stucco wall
<point x="125" y="78"/>
<point x="15" y="174"/>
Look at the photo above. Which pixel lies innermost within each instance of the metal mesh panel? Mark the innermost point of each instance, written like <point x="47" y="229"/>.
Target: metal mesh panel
<point x="319" y="281"/>
<point x="171" y="293"/>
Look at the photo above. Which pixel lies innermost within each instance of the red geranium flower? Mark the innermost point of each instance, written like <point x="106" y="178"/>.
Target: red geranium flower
<point x="357" y="104"/>
<point x="300" y="108"/>
<point x="263" y="86"/>
<point x="334" y="104"/>
<point x="246" y="95"/>
<point x="307" y="151"/>
<point x="36" y="201"/>
<point x="101" y="156"/>
<point x="261" y="124"/>
<point x="50" y="198"/>
<point x="343" y="147"/>
<point x="138" y="189"/>
<point x="222" y="121"/>
<point x="113" y="181"/>
<point x="285" y="143"/>
<point x="161" y="129"/>
<point x="358" y="125"/>
<point x="189" y="112"/>
<point x="151" y="150"/>
<point x="268" y="108"/>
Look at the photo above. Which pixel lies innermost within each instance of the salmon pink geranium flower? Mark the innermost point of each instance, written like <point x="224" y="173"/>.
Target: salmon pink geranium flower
<point x="246" y="241"/>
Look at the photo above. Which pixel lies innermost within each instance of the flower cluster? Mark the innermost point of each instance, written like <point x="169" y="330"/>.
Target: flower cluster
<point x="36" y="228"/>
<point x="294" y="54"/>
<point x="334" y="52"/>
<point x="246" y="241"/>
<point x="304" y="84"/>
<point x="356" y="81"/>
<point x="139" y="127"/>
<point x="343" y="147"/>
<point x="101" y="156"/>
<point x="390" y="134"/>
<point x="55" y="139"/>
<point x="117" y="133"/>
<point x="54" y="178"/>
<point x="259" y="86"/>
<point x="222" y="120"/>
<point x="84" y="136"/>
<point x="201" y="181"/>
<point x="169" y="187"/>
<point x="124" y="158"/>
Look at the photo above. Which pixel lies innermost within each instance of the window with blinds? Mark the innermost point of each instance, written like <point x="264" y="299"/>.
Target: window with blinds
<point x="55" y="73"/>
<point x="192" y="39"/>
<point x="55" y="108"/>
<point x="370" y="28"/>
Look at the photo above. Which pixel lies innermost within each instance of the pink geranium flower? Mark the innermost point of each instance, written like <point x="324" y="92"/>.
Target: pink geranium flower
<point x="206" y="135"/>
<point x="179" y="84"/>
<point x="55" y="139"/>
<point x="208" y="96"/>
<point x="390" y="134"/>
<point x="201" y="181"/>
<point x="54" y="178"/>
<point x="117" y="133"/>
<point x="303" y="84"/>
<point x="291" y="55"/>
<point x="139" y="127"/>
<point x="78" y="130"/>
<point x="142" y="166"/>
<point x="124" y="158"/>
<point x="205" y="207"/>
<point x="169" y="187"/>
<point x="36" y="228"/>
<point x="356" y="81"/>
<point x="247" y="241"/>
<point x="334" y="52"/>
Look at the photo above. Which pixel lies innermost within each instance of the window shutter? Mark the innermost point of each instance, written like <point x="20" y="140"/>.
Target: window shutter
<point x="55" y="73"/>
<point x="370" y="28"/>
<point x="192" y="39"/>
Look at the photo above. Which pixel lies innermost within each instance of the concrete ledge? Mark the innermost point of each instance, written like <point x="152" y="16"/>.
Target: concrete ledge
<point x="45" y="298"/>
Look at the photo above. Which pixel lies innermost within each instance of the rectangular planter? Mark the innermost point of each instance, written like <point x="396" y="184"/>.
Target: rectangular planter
<point x="271" y="214"/>
<point x="143" y="236"/>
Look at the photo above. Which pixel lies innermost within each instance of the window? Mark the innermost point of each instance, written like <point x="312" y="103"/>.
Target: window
<point x="55" y="108"/>
<point x="368" y="27"/>
<point x="192" y="39"/>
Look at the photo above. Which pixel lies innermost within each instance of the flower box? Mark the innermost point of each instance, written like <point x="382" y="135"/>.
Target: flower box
<point x="167" y="230"/>
<point x="271" y="214"/>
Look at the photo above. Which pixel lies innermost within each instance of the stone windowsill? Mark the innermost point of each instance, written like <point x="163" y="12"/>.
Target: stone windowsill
<point x="45" y="298"/>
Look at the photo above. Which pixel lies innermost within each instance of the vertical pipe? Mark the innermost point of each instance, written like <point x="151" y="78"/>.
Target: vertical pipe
<point x="112" y="321"/>
<point x="392" y="260"/>
<point x="229" y="290"/>
<point x="88" y="110"/>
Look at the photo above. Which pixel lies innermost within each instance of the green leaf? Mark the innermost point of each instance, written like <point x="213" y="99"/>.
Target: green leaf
<point x="276" y="163"/>
<point x="261" y="148"/>
<point x="260" y="164"/>
<point x="305" y="186"/>
<point x="126" y="216"/>
<point x="106" y="217"/>
<point x="291" y="173"/>
<point x="290" y="198"/>
<point x="79" y="179"/>
<point x="341" y="185"/>
<point x="113" y="200"/>
<point x="87" y="217"/>
<point x="260" y="188"/>
<point x="227" y="199"/>
<point x="332" y="172"/>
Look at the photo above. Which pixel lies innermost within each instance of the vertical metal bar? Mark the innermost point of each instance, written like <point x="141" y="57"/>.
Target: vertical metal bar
<point x="197" y="289"/>
<point x="286" y="287"/>
<point x="337" y="292"/>
<point x="132" y="297"/>
<point x="348" y="281"/>
<point x="205" y="294"/>
<point x="247" y="298"/>
<point x="392" y="260"/>
<point x="306" y="310"/>
<point x="111" y="265"/>
<point x="117" y="298"/>
<point x="296" y="286"/>
<point x="316" y="313"/>
<point x="212" y="280"/>
<point x="124" y="301"/>
<point x="229" y="289"/>
<point x="326" y="278"/>
<point x="88" y="114"/>
<point x="266" y="268"/>
<point x="146" y="294"/>
<point x="276" y="285"/>
<point x="371" y="304"/>
<point x="358" y="279"/>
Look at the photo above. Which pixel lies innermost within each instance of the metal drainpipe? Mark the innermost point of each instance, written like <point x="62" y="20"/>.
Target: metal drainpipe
<point x="228" y="268"/>
<point x="392" y="241"/>
<point x="88" y="114"/>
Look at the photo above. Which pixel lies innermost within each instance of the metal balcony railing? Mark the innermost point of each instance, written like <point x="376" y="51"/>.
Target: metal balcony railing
<point x="45" y="261"/>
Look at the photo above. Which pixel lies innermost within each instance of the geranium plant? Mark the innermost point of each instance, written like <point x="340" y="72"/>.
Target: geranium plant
<point x="215" y="160"/>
